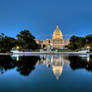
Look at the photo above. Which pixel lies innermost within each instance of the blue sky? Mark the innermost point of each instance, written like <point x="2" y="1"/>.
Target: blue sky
<point x="41" y="17"/>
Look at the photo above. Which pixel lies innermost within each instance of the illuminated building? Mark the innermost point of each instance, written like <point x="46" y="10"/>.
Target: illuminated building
<point x="57" y="40"/>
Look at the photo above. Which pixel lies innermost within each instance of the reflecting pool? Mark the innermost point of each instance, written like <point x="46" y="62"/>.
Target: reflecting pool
<point x="46" y="73"/>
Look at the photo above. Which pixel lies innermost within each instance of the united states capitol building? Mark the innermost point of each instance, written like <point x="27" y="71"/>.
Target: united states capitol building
<point x="57" y="40"/>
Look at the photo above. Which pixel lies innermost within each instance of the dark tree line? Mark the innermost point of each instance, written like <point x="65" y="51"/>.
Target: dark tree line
<point x="80" y="42"/>
<point x="25" y="40"/>
<point x="6" y="43"/>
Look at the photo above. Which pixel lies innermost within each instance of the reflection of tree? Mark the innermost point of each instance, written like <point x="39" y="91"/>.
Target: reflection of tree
<point x="77" y="62"/>
<point x="6" y="63"/>
<point x="25" y="65"/>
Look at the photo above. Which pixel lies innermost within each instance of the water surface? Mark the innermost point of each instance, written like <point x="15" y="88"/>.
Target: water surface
<point x="46" y="73"/>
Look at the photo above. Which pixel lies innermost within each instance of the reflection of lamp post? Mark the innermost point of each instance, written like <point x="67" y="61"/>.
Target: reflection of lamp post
<point x="88" y="58"/>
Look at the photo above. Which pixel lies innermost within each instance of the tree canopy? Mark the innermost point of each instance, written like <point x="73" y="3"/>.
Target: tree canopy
<point x="6" y="43"/>
<point x="80" y="42"/>
<point x="26" y="40"/>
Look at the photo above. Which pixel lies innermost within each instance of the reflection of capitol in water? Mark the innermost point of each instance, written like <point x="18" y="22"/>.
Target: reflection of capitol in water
<point x="57" y="66"/>
<point x="56" y="62"/>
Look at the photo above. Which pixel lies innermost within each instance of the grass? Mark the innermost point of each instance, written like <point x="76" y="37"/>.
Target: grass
<point x="30" y="50"/>
<point x="64" y="50"/>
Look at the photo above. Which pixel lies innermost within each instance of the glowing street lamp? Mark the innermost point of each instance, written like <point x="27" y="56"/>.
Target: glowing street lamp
<point x="17" y="47"/>
<point x="88" y="47"/>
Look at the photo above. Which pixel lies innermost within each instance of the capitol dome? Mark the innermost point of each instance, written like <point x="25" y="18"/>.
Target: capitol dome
<point x="57" y="34"/>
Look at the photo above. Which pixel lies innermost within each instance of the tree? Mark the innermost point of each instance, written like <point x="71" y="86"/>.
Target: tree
<point x="89" y="40"/>
<point x="6" y="43"/>
<point x="26" y="40"/>
<point x="77" y="42"/>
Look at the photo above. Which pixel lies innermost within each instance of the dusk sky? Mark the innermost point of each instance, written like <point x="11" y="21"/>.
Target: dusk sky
<point x="74" y="17"/>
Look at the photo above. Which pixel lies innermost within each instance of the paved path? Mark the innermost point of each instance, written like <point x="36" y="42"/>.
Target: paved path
<point x="41" y="53"/>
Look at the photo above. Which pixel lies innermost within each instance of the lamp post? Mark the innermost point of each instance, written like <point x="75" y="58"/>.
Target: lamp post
<point x="88" y="48"/>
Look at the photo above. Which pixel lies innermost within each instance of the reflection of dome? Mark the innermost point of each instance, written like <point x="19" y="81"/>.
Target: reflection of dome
<point x="57" y="34"/>
<point x="57" y="70"/>
<point x="56" y="62"/>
